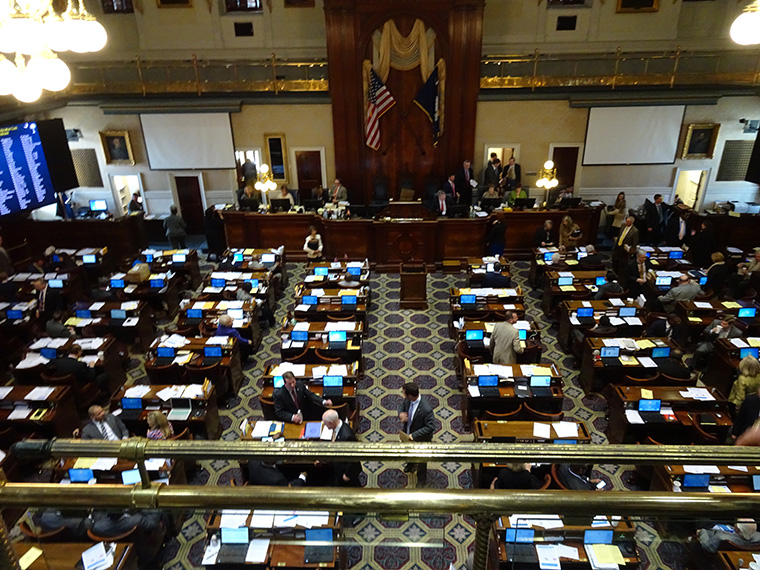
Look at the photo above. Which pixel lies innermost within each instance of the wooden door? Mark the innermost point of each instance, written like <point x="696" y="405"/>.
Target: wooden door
<point x="190" y="203"/>
<point x="566" y="162"/>
<point x="308" y="171"/>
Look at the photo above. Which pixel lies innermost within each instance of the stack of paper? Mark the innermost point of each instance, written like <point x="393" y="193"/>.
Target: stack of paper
<point x="258" y="549"/>
<point x="565" y="429"/>
<point x="136" y="391"/>
<point x="96" y="557"/>
<point x="39" y="393"/>
<point x="604" y="556"/>
<point x="4" y="391"/>
<point x="262" y="519"/>
<point x="232" y="518"/>
<point x="170" y="392"/>
<point x="221" y="340"/>
<point x="31" y="360"/>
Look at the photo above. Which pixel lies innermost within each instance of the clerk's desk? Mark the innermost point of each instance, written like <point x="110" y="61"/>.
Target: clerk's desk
<point x="248" y="327"/>
<point x="230" y="362"/>
<point x="697" y="315"/>
<point x="330" y="306"/>
<point x="477" y="268"/>
<point x="309" y="351"/>
<point x="724" y="361"/>
<point x="737" y="480"/>
<point x="55" y="416"/>
<point x="509" y="398"/>
<point x="203" y="420"/>
<point x="712" y="415"/>
<point x="595" y="374"/>
<point x="137" y="328"/>
<point x="66" y="555"/>
<point x="161" y="261"/>
<point x="568" y="321"/>
<point x="554" y="294"/>
<point x="101" y="350"/>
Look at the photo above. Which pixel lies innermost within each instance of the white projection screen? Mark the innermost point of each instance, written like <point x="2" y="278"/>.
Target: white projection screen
<point x="188" y="141"/>
<point x="633" y="135"/>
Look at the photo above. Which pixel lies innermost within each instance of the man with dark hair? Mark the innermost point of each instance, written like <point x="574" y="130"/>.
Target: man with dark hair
<point x="673" y="365"/>
<point x="268" y="474"/>
<point x="671" y="328"/>
<point x="611" y="285"/>
<point x="655" y="215"/>
<point x="636" y="273"/>
<point x="418" y="424"/>
<point x="103" y="425"/>
<point x="625" y="243"/>
<point x="294" y="402"/>
<point x="176" y="228"/>
<point x="492" y="174"/>
<point x="463" y="180"/>
<point x="723" y="327"/>
<point x="511" y="177"/>
<point x="48" y="300"/>
<point x="505" y="340"/>
<point x="56" y="329"/>
<point x="71" y="364"/>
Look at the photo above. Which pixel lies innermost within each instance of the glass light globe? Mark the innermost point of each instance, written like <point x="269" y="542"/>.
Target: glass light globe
<point x="264" y="168"/>
<point x="271" y="185"/>
<point x="26" y="89"/>
<point x="540" y="183"/>
<point x="548" y="165"/>
<point x="6" y="41"/>
<point x="58" y="33"/>
<point x="554" y="183"/>
<point x="95" y="35"/>
<point x="746" y="28"/>
<point x="8" y="76"/>
<point x="49" y="72"/>
<point x="26" y="35"/>
<point x="259" y="186"/>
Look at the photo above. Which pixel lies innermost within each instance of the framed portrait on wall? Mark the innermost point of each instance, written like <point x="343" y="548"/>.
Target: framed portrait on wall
<point x="633" y="6"/>
<point x="174" y="3"/>
<point x="700" y="140"/>
<point x="117" y="147"/>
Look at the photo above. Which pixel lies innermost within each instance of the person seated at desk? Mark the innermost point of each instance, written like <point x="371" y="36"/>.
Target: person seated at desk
<point x="602" y="328"/>
<point x="505" y="340"/>
<point x="577" y="477"/>
<point x="717" y="274"/>
<point x="686" y="290"/>
<point x="611" y="285"/>
<point x="103" y="425"/>
<point x="224" y="328"/>
<point x="569" y="233"/>
<point x="286" y="195"/>
<point x="744" y="535"/>
<point x="636" y="273"/>
<point x="313" y="245"/>
<point x="158" y="426"/>
<point x="338" y="192"/>
<point x="264" y="473"/>
<point x="739" y="282"/>
<point x="673" y="365"/>
<point x="77" y="522"/>
<point x="671" y="328"/>
<point x="248" y="195"/>
<point x="294" y="402"/>
<point x="318" y="193"/>
<point x="8" y="289"/>
<point x="593" y="258"/>
<point x="495" y="278"/>
<point x="490" y="193"/>
<point x="515" y="193"/>
<point x="103" y="292"/>
<point x="56" y="329"/>
<point x="442" y="203"/>
<point x="72" y="364"/>
<point x="720" y="328"/>
<point x="748" y="381"/>
<point x="344" y="474"/>
<point x="557" y="263"/>
<point x="37" y="267"/>
<point x="48" y="300"/>
<point x="516" y="476"/>
<point x="543" y="237"/>
<point x="349" y="281"/>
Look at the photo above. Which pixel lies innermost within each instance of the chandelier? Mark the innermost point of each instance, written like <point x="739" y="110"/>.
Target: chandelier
<point x="746" y="28"/>
<point x="31" y="31"/>
<point x="547" y="176"/>
<point x="264" y="182"/>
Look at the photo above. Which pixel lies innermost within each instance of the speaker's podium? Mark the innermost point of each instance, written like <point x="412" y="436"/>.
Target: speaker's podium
<point x="413" y="285"/>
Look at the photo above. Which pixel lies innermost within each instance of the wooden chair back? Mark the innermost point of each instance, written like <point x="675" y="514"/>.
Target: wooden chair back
<point x="511" y="415"/>
<point x="537" y="415"/>
<point x="267" y="408"/>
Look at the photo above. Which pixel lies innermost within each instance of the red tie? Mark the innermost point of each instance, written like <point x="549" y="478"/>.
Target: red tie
<point x="467" y="175"/>
<point x="443" y="205"/>
<point x="295" y="399"/>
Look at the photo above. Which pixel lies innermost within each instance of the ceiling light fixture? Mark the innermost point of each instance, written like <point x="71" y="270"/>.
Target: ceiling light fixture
<point x="745" y="30"/>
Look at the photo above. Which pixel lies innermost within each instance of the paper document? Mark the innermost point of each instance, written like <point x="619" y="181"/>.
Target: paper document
<point x="103" y="464"/>
<point x="633" y="417"/>
<point x="234" y="518"/>
<point x="326" y="434"/>
<point x="261" y="429"/>
<point x="701" y="469"/>
<point x="608" y="553"/>
<point x="548" y="556"/>
<point x="258" y="549"/>
<point x="739" y="343"/>
<point x="27" y="559"/>
<point x="222" y="340"/>
<point x="474" y="391"/>
<point x="543" y="431"/>
<point x="4" y="391"/>
<point x="647" y="362"/>
<point x="136" y="391"/>
<point x="565" y="429"/>
<point x="39" y="393"/>
<point x="96" y="557"/>
<point x="569" y="552"/>
<point x="647" y="394"/>
<point x="262" y="519"/>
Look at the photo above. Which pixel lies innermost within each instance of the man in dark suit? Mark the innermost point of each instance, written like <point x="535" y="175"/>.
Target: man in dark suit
<point x="418" y="424"/>
<point x="676" y="230"/>
<point x="450" y="188"/>
<point x="625" y="244"/>
<point x="611" y="285"/>
<point x="656" y="216"/>
<point x="723" y="327"/>
<point x="463" y="180"/>
<point x="37" y="267"/>
<point x="671" y="328"/>
<point x="267" y="474"/>
<point x="8" y="288"/>
<point x="441" y="204"/>
<point x="636" y="273"/>
<point x="103" y="425"/>
<point x="543" y="237"/>
<point x="48" y="300"/>
<point x="673" y="365"/>
<point x="294" y="402"/>
<point x="512" y="175"/>
<point x="71" y="364"/>
<point x="344" y="474"/>
<point x="492" y="174"/>
<point x="593" y="257"/>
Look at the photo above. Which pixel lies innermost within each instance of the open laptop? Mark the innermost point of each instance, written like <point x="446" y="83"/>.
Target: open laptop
<point x="695" y="482"/>
<point x="49" y="353"/>
<point x="181" y="409"/>
<point x="663" y="282"/>
<point x="744" y="352"/>
<point x="519" y="545"/>
<point x="311" y="300"/>
<point x="130" y="477"/>
<point x="55" y="283"/>
<point x="318" y="553"/>
<point x="649" y="410"/>
<point x="610" y="355"/>
<point x="80" y="475"/>
<point x="585" y="315"/>
<point x="237" y="258"/>
<point x="597" y="536"/>
<point x="299" y="336"/>
<point x="489" y="386"/>
<point x="321" y="271"/>
<point x="348" y="302"/>
<point x="675" y="254"/>
<point x="747" y="313"/>
<point x="540" y="386"/>
<point x="235" y="314"/>
<point x="194" y="316"/>
<point x="332" y="387"/>
<point x="212" y="354"/>
<point x="337" y="339"/>
<point x="117" y="283"/>
<point x="83" y="314"/>
<point x="118" y="316"/>
<point x="165" y="355"/>
<point x="468" y="302"/>
<point x="234" y="546"/>
<point x="474" y="338"/>
<point x="354" y="271"/>
<point x="268" y="259"/>
<point x="564" y="281"/>
<point x="131" y="408"/>
<point x="179" y="258"/>
<point x="627" y="312"/>
<point x="217" y="282"/>
<point x="600" y="281"/>
<point x="156" y="283"/>
<point x="661" y="352"/>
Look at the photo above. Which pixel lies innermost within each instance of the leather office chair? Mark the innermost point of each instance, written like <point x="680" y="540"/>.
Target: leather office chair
<point x="325" y="358"/>
<point x="55" y="535"/>
<point x="170" y="374"/>
<point x="515" y="414"/>
<point x="84" y="396"/>
<point x="536" y="415"/>
<point x="666" y="380"/>
<point x="267" y="408"/>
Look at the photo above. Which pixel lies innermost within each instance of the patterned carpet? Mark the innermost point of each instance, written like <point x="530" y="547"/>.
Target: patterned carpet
<point x="403" y="346"/>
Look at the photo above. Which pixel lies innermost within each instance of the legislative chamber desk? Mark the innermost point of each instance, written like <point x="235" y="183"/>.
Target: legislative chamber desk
<point x="163" y="261"/>
<point x="55" y="416"/>
<point x="554" y="294"/>
<point x="404" y="231"/>
<point x="67" y="555"/>
<point x="697" y="315"/>
<point x="737" y="559"/>
<point x="732" y="477"/>
<point x="724" y="362"/>
<point x="568" y="320"/>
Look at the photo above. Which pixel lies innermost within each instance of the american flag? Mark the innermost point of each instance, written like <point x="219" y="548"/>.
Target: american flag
<point x="380" y="100"/>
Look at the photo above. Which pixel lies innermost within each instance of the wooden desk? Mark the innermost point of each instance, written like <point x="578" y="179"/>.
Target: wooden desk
<point x="583" y="281"/>
<point x="351" y="352"/>
<point x="60" y="419"/>
<point x="697" y="315"/>
<point x="212" y="310"/>
<point x="737" y="481"/>
<point x="476" y="269"/>
<point x="143" y="333"/>
<point x="329" y="306"/>
<point x="677" y="428"/>
<point x="730" y="558"/>
<point x="173" y="469"/>
<point x="66" y="555"/>
<point x="521" y="432"/>
<point x="539" y="266"/>
<point x="162" y="262"/>
<point x="567" y="310"/>
<point x="506" y="562"/>
<point x="724" y="363"/>
<point x="165" y="298"/>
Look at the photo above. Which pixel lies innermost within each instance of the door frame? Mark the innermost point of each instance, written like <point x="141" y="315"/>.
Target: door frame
<point x="116" y="198"/>
<point x="294" y="168"/>
<point x="579" y="161"/>
<point x="189" y="174"/>
<point x="703" y="192"/>
<point x="486" y="146"/>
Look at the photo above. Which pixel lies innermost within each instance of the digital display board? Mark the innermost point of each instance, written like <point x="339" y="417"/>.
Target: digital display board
<point x="25" y="182"/>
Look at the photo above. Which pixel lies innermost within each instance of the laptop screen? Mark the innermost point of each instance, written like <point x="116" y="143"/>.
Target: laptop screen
<point x="332" y="381"/>
<point x="696" y="480"/>
<point x="320" y="271"/>
<point x="212" y="351"/>
<point x="299" y="336"/>
<point x="278" y="381"/>
<point x="237" y="258"/>
<point x="117" y="283"/>
<point x="130" y="477"/>
<point x="627" y="311"/>
<point x="14" y="314"/>
<point x="318" y="535"/>
<point x="522" y="334"/>
<point x="548" y="256"/>
<point x="348" y="300"/>
<point x="194" y="313"/>
<point x="744" y="352"/>
<point x="490" y="380"/>
<point x="83" y="314"/>
<point x="118" y="314"/>
<point x="131" y="403"/>
<point x="524" y="535"/>
<point x="236" y="314"/>
<point x="55" y="284"/>
<point x="756" y="482"/>
<point x="355" y="271"/>
<point x="540" y="381"/>
<point x="336" y="336"/>
<point x="149" y="258"/>
<point x="649" y="405"/>
<point x="747" y="312"/>
<point x="489" y="267"/>
<point x="661" y="352"/>
<point x="89" y="259"/>
<point x="585" y="312"/>
<point x="179" y="258"/>
<point x="218" y="282"/>
<point x="601" y="281"/>
<point x="597" y="537"/>
<point x="703" y="280"/>
<point x="49" y="353"/>
<point x="468" y="299"/>
<point x="156" y="283"/>
<point x="677" y="254"/>
<point x="566" y="441"/>
<point x="235" y="535"/>
<point x="563" y="281"/>
<point x="610" y="351"/>
<point x="663" y="281"/>
<point x="310" y="300"/>
<point x="267" y="258"/>
<point x="80" y="475"/>
<point x="254" y="283"/>
<point x="473" y="335"/>
<point x="582" y="254"/>
<point x="165" y="352"/>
